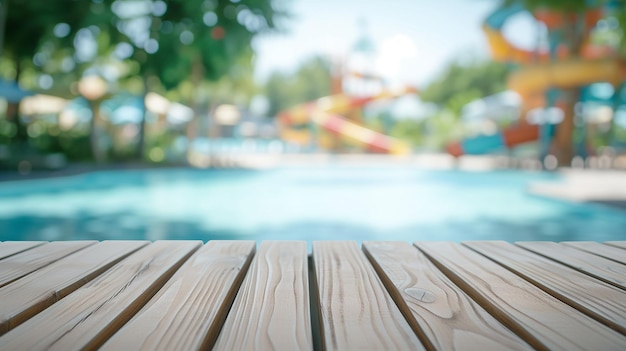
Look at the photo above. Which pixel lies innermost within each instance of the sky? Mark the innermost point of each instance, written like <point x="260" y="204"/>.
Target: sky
<point x="414" y="39"/>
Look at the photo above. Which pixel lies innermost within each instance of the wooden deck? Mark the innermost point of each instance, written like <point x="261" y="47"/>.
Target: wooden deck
<point x="231" y="295"/>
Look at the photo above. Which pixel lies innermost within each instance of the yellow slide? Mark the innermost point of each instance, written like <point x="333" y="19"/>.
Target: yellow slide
<point x="536" y="79"/>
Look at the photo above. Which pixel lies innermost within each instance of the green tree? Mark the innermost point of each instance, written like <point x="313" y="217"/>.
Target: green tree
<point x="180" y="40"/>
<point x="167" y="42"/>
<point x="461" y="83"/>
<point x="311" y="81"/>
<point x="35" y="31"/>
<point x="458" y="84"/>
<point x="410" y="130"/>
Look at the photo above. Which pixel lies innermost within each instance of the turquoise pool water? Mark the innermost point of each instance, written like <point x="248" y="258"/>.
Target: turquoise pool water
<point x="317" y="203"/>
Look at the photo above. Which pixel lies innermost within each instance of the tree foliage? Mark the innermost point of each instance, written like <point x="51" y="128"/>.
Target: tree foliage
<point x="180" y="41"/>
<point x="311" y="81"/>
<point x="176" y="39"/>
<point x="460" y="83"/>
<point x="457" y="84"/>
<point x="169" y="44"/>
<point x="30" y="25"/>
<point x="172" y="40"/>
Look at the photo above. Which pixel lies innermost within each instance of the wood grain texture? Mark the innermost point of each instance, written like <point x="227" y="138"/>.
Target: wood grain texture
<point x="620" y="244"/>
<point x="598" y="267"/>
<point x="188" y="312"/>
<point x="90" y="315"/>
<point x="611" y="252"/>
<point x="19" y="265"/>
<point x="271" y="310"/>
<point x="540" y="319"/>
<point x="437" y="309"/>
<point x="599" y="300"/>
<point x="356" y="312"/>
<point x="10" y="248"/>
<point x="25" y="297"/>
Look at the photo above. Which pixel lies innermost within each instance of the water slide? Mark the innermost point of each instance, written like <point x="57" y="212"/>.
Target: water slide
<point x="538" y="74"/>
<point x="507" y="138"/>
<point x="327" y="113"/>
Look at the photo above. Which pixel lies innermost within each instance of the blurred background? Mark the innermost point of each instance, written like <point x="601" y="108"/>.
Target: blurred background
<point x="229" y="86"/>
<point x="177" y="81"/>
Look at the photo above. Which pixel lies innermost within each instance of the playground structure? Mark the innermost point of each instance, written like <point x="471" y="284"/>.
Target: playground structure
<point x="558" y="77"/>
<point x="329" y="114"/>
<point x="335" y="121"/>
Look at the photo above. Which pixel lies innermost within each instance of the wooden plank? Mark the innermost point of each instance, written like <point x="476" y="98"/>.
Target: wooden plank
<point x="598" y="267"/>
<point x="356" y="312"/>
<point x="30" y="295"/>
<point x="620" y="244"/>
<point x="271" y="310"/>
<point x="90" y="315"/>
<point x="441" y="312"/>
<point x="606" y="251"/>
<point x="19" y="265"/>
<point x="10" y="248"/>
<point x="188" y="312"/>
<point x="601" y="301"/>
<point x="543" y="321"/>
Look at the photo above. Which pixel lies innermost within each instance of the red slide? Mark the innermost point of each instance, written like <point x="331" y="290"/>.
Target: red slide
<point x="485" y="143"/>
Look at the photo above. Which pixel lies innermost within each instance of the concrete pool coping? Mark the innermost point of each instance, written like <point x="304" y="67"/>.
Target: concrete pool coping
<point x="606" y="187"/>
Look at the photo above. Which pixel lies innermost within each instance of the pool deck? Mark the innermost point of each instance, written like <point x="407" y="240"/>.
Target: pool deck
<point x="600" y="186"/>
<point x="236" y="295"/>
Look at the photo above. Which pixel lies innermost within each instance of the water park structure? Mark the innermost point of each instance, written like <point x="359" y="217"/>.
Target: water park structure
<point x="330" y="112"/>
<point x="557" y="77"/>
<point x="333" y="121"/>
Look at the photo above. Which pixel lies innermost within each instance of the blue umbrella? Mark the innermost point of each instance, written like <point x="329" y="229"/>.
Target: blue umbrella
<point x="12" y="92"/>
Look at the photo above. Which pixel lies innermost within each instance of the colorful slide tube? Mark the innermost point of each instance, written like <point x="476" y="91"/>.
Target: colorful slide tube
<point x="326" y="112"/>
<point x="503" y="50"/>
<point x="537" y="76"/>
<point x="536" y="79"/>
<point x="507" y="138"/>
<point x="533" y="81"/>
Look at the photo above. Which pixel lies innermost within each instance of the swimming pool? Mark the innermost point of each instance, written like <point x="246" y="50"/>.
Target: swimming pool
<point x="313" y="203"/>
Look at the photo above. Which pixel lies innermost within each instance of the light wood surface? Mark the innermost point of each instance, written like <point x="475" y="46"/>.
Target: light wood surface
<point x="433" y="305"/>
<point x="599" y="267"/>
<point x="271" y="310"/>
<point x="620" y="244"/>
<point x="611" y="252"/>
<point x="10" y="248"/>
<point x="188" y="312"/>
<point x="90" y="315"/>
<point x="21" y="264"/>
<point x="33" y="293"/>
<point x="603" y="302"/>
<point x="356" y="312"/>
<point x="182" y="295"/>
<point x="542" y="320"/>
